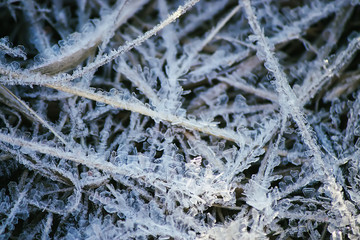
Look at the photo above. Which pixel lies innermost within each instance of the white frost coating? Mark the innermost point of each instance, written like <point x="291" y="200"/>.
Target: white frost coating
<point x="180" y="120"/>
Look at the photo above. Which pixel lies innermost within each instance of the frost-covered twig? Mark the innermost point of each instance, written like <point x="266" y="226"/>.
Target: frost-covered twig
<point x="16" y="208"/>
<point x="5" y="47"/>
<point x="287" y="98"/>
<point x="342" y="60"/>
<point x="129" y="45"/>
<point x="28" y="111"/>
<point x="135" y="106"/>
<point x="77" y="157"/>
<point x="19" y="77"/>
<point x="71" y="54"/>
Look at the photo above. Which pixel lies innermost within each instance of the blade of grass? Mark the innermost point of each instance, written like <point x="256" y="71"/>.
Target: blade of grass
<point x="29" y="112"/>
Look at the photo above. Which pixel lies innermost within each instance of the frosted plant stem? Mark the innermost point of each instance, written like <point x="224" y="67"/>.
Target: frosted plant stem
<point x="347" y="83"/>
<point x="290" y="104"/>
<point x="15" y="209"/>
<point x="34" y="114"/>
<point x="79" y="158"/>
<point x="136" y="106"/>
<point x="268" y="165"/>
<point x="250" y="89"/>
<point x="343" y="59"/>
<point x="47" y="227"/>
<point x="130" y="45"/>
<point x="218" y="27"/>
<point x="91" y="162"/>
<point x="6" y="48"/>
<point x="136" y="79"/>
<point x="74" y="54"/>
<point x="111" y="30"/>
<point x="17" y="77"/>
<point x="195" y="52"/>
<point x="287" y="98"/>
